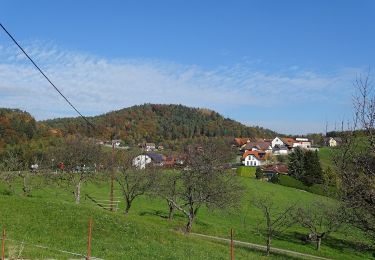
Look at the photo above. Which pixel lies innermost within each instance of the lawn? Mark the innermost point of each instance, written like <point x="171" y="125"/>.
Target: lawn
<point x="51" y="218"/>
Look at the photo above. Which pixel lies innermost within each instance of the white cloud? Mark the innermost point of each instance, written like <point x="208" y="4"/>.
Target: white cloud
<point x="96" y="85"/>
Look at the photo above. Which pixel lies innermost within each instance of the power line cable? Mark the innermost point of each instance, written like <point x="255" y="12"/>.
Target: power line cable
<point x="53" y="85"/>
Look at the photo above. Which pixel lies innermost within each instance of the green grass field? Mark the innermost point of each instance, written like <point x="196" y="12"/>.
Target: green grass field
<point x="51" y="218"/>
<point x="325" y="156"/>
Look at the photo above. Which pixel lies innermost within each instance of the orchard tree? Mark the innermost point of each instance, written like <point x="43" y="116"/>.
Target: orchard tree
<point x="275" y="220"/>
<point x="321" y="219"/>
<point x="133" y="181"/>
<point x="80" y="157"/>
<point x="205" y="182"/>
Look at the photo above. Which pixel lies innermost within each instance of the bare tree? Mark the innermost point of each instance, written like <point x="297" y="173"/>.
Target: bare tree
<point x="133" y="181"/>
<point x="10" y="168"/>
<point x="355" y="160"/>
<point x="204" y="181"/>
<point x="80" y="157"/>
<point x="276" y="219"/>
<point x="167" y="188"/>
<point x="321" y="219"/>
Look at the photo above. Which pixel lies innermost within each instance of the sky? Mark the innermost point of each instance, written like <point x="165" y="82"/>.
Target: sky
<point x="284" y="65"/>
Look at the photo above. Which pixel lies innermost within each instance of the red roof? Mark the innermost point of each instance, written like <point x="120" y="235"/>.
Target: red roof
<point x="279" y="168"/>
<point x="241" y="141"/>
<point x="288" y="141"/>
<point x="260" y="155"/>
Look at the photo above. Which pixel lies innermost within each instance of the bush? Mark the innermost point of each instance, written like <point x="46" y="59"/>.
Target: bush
<point x="258" y="173"/>
<point x="319" y="189"/>
<point x="274" y="178"/>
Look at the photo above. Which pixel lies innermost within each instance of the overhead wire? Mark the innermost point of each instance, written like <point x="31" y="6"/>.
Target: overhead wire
<point x="45" y="76"/>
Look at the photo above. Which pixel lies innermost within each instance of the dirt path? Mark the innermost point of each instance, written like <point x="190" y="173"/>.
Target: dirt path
<point x="263" y="248"/>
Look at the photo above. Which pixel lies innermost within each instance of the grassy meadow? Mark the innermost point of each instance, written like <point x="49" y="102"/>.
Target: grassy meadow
<point x="50" y="218"/>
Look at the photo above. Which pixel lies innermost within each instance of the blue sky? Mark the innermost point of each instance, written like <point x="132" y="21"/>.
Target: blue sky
<point x="286" y="65"/>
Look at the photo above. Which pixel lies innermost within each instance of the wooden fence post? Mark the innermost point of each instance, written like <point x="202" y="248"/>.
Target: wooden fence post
<point x="89" y="240"/>
<point x="3" y="246"/>
<point x="231" y="245"/>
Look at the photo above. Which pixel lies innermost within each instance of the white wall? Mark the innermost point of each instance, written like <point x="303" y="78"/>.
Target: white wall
<point x="251" y="160"/>
<point x="276" y="141"/>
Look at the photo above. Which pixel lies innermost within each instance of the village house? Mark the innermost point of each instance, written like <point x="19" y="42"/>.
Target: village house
<point x="333" y="141"/>
<point x="302" y="142"/>
<point x="141" y="161"/>
<point x="257" y="146"/>
<point x="254" y="158"/>
<point x="239" y="142"/>
<point x="280" y="150"/>
<point x="277" y="142"/>
<point x="275" y="169"/>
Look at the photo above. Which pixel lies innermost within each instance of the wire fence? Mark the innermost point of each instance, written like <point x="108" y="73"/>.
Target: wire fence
<point x="15" y="248"/>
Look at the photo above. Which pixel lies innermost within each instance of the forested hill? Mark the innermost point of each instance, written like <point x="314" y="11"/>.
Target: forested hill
<point x="152" y="122"/>
<point x="16" y="126"/>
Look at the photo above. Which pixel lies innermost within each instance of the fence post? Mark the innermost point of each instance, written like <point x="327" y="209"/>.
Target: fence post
<point x="231" y="245"/>
<point x="3" y="246"/>
<point x="89" y="240"/>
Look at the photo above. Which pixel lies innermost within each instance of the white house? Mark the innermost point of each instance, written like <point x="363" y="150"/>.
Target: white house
<point x="334" y="141"/>
<point x="254" y="158"/>
<point x="141" y="161"/>
<point x="280" y="150"/>
<point x="302" y="142"/>
<point x="277" y="142"/>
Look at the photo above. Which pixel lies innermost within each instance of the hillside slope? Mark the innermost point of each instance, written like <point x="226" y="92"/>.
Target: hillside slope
<point x="153" y="122"/>
<point x="16" y="126"/>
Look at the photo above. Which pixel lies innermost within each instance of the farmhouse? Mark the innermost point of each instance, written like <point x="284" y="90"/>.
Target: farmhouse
<point x="254" y="158"/>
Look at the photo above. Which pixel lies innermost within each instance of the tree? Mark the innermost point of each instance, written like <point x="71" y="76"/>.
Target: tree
<point x="321" y="219"/>
<point x="167" y="188"/>
<point x="275" y="220"/>
<point x="355" y="158"/>
<point x="204" y="181"/>
<point x="312" y="171"/>
<point x="81" y="157"/>
<point x="258" y="173"/>
<point x="296" y="163"/>
<point x="133" y="182"/>
<point x="305" y="166"/>
<point x="10" y="168"/>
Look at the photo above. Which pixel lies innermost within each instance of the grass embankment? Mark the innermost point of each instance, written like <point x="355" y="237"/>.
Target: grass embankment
<point x="51" y="218"/>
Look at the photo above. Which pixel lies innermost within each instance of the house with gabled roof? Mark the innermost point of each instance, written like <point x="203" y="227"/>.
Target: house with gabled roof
<point x="254" y="158"/>
<point x="257" y="146"/>
<point x="241" y="141"/>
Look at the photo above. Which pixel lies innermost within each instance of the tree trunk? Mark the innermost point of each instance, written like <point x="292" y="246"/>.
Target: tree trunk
<point x="190" y="223"/>
<point x="127" y="207"/>
<point x="171" y="211"/>
<point x="24" y="187"/>
<point x="318" y="242"/>
<point x="268" y="245"/>
<point x="77" y="192"/>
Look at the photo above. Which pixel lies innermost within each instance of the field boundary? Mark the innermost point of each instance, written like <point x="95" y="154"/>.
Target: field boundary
<point x="261" y="247"/>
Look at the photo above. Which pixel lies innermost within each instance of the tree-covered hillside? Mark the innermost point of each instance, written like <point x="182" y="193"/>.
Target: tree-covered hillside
<point x="152" y="122"/>
<point x="16" y="126"/>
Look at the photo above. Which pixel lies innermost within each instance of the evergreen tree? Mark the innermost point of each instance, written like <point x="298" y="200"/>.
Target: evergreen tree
<point x="296" y="163"/>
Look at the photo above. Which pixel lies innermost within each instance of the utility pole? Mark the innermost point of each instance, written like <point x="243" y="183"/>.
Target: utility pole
<point x="112" y="176"/>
